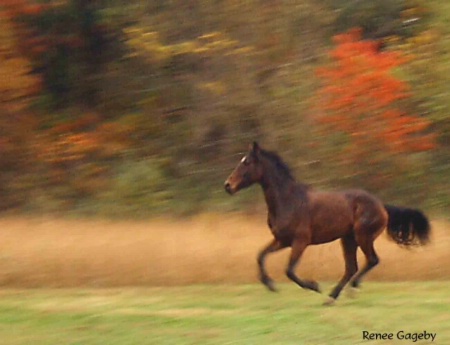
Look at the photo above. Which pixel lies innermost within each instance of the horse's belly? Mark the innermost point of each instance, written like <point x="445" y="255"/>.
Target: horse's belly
<point x="325" y="237"/>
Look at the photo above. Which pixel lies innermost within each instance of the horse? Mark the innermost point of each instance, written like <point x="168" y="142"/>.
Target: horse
<point x="299" y="216"/>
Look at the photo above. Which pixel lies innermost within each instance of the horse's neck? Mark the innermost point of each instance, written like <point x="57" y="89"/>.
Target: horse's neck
<point x="277" y="191"/>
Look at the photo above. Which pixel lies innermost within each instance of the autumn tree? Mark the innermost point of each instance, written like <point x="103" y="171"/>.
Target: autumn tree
<point x="364" y="102"/>
<point x="66" y="44"/>
<point x="17" y="125"/>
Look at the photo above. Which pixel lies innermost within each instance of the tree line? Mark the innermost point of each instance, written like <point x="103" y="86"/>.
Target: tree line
<point x="130" y="108"/>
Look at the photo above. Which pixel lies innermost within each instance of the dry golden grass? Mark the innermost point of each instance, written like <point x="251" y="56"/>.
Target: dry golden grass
<point x="45" y="252"/>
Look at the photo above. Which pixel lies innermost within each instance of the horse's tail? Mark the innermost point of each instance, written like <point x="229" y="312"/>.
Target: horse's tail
<point x="407" y="226"/>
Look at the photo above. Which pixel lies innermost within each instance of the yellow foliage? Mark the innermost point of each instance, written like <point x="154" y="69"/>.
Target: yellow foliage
<point x="183" y="48"/>
<point x="392" y="40"/>
<point x="149" y="45"/>
<point x="216" y="88"/>
<point x="210" y="36"/>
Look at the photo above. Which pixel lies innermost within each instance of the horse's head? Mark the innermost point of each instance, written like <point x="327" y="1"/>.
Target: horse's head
<point x="247" y="172"/>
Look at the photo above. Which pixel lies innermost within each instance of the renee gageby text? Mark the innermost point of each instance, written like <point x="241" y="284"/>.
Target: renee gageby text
<point x="400" y="335"/>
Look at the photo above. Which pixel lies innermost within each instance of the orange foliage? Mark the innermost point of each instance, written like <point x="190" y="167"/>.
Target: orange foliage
<point x="360" y="97"/>
<point x="31" y="44"/>
<point x="17" y="89"/>
<point x="77" y="153"/>
<point x="83" y="140"/>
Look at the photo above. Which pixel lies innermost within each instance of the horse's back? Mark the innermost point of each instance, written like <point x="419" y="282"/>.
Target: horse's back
<point x="337" y="214"/>
<point x="361" y="195"/>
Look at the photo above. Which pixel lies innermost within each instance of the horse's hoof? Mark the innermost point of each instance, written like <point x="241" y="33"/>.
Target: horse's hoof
<point x="270" y="285"/>
<point x="314" y="286"/>
<point x="330" y="301"/>
<point x="352" y="292"/>
<point x="272" y="288"/>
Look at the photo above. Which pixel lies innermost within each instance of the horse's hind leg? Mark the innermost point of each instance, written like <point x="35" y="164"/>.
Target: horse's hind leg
<point x="369" y="225"/>
<point x="349" y="247"/>
<point x="298" y="247"/>
<point x="372" y="260"/>
<point x="273" y="246"/>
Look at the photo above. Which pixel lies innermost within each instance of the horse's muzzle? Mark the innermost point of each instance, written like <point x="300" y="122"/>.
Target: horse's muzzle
<point x="228" y="188"/>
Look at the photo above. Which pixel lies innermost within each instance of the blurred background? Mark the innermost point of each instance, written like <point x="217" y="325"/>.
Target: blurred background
<point x="121" y="119"/>
<point x="132" y="109"/>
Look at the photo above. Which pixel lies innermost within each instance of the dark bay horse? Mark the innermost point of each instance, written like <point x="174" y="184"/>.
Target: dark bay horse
<point x="299" y="216"/>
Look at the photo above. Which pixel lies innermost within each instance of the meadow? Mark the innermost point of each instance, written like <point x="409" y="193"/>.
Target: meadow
<point x="193" y="281"/>
<point x="222" y="314"/>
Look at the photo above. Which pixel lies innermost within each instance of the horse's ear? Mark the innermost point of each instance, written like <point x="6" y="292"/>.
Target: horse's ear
<point x="255" y="147"/>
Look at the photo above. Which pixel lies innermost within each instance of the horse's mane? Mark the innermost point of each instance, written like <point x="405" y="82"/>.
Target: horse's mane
<point x="278" y="163"/>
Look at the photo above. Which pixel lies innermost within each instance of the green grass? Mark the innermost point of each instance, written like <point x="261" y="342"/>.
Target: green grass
<point x="242" y="314"/>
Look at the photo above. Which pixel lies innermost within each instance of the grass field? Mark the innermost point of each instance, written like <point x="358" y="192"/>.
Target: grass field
<point x="194" y="282"/>
<point x="222" y="314"/>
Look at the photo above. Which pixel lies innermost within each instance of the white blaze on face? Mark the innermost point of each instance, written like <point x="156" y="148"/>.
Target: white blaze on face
<point x="243" y="159"/>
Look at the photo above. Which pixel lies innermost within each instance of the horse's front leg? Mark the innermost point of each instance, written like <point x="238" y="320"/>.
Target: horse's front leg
<point x="298" y="247"/>
<point x="273" y="246"/>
